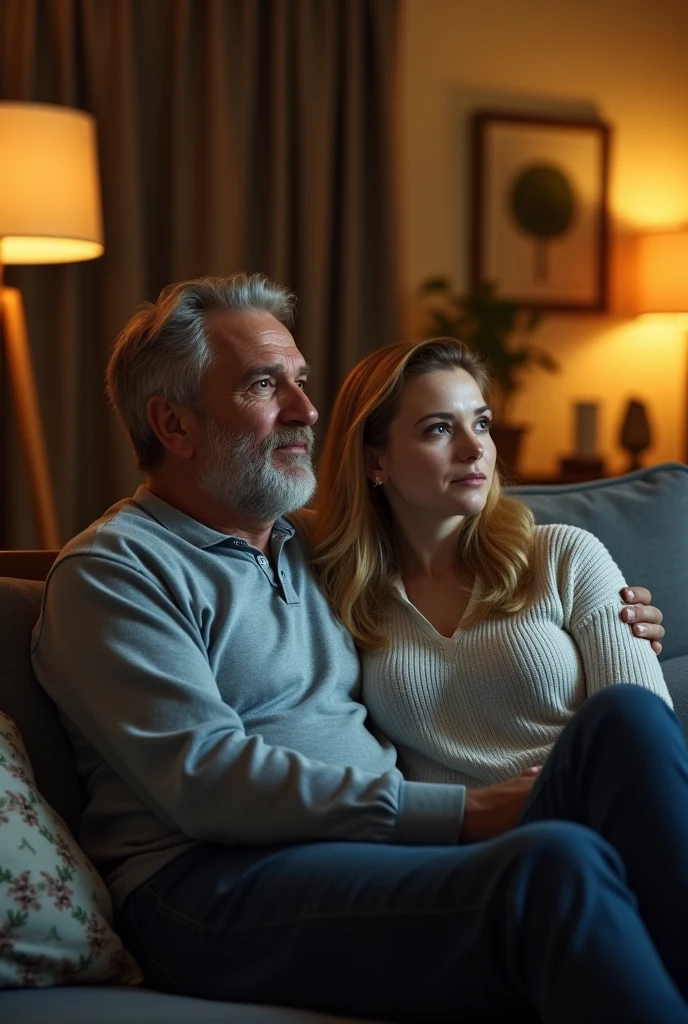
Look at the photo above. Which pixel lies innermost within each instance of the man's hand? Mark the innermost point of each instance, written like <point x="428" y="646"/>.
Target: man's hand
<point x="646" y="620"/>
<point x="491" y="810"/>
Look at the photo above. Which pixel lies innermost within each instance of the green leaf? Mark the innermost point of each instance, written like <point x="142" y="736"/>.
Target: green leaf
<point x="17" y="919"/>
<point x="548" y="363"/>
<point x="434" y="284"/>
<point x="495" y="328"/>
<point x="543" y="359"/>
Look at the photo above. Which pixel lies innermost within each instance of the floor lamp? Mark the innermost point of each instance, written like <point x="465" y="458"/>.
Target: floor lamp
<point x="49" y="213"/>
<point x="663" y="284"/>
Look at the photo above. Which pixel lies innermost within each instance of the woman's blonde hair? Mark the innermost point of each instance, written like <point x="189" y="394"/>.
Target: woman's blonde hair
<point x="353" y="541"/>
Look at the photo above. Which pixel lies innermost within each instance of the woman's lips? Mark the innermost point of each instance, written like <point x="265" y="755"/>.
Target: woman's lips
<point x="471" y="479"/>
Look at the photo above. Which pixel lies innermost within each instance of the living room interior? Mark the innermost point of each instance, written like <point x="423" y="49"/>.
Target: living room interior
<point x="342" y="147"/>
<point x="616" y="62"/>
<point x="394" y="213"/>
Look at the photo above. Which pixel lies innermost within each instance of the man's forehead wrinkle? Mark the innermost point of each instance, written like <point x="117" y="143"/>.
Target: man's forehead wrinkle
<point x="263" y="353"/>
<point x="266" y="346"/>
<point x="248" y="329"/>
<point x="280" y="366"/>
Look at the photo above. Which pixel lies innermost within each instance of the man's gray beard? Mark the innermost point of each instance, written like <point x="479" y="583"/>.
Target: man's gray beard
<point x="238" y="471"/>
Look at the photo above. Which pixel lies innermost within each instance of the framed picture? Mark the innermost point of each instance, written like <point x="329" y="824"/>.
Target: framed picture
<point x="539" y="210"/>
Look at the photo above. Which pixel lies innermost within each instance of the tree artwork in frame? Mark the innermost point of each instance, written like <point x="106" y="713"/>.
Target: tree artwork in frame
<point x="539" y="210"/>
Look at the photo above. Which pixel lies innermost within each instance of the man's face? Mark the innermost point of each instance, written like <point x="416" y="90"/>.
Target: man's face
<point x="256" y="428"/>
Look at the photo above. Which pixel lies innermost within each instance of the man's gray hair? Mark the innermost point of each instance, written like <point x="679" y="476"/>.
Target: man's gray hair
<point x="165" y="349"/>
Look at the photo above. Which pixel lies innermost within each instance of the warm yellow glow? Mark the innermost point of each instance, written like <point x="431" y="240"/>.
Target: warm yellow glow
<point x="672" y="320"/>
<point x="605" y="362"/>
<point x="648" y="198"/>
<point x="24" y="249"/>
<point x="49" y="187"/>
<point x="663" y="272"/>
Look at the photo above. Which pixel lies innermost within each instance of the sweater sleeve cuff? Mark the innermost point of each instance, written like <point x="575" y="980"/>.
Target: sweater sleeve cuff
<point x="429" y="813"/>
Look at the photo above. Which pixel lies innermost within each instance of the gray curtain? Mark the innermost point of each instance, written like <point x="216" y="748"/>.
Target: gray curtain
<point x="233" y="134"/>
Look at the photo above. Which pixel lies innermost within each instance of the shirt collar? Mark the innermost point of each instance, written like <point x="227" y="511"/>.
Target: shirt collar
<point x="188" y="529"/>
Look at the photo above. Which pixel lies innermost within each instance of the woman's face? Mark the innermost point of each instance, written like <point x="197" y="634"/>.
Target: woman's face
<point x="439" y="457"/>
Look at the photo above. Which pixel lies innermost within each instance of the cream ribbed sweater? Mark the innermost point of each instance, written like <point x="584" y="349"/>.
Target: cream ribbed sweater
<point x="480" y="707"/>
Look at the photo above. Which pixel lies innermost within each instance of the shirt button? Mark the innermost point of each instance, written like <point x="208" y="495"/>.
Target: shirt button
<point x="240" y="543"/>
<point x="262" y="560"/>
<point x="283" y="574"/>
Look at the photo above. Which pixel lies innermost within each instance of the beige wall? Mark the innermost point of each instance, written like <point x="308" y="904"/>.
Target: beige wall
<point x="622" y="60"/>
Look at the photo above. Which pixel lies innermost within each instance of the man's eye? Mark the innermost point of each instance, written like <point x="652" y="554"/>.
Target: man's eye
<point x="263" y="384"/>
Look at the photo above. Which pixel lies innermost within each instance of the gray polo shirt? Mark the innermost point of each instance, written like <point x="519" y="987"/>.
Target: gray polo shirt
<point x="211" y="695"/>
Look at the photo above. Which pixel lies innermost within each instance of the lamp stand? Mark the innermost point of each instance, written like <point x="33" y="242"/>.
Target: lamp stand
<point x="685" y="398"/>
<point x="15" y="340"/>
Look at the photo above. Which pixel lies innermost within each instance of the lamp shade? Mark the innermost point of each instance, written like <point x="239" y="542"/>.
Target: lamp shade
<point x="663" y="272"/>
<point x="49" y="187"/>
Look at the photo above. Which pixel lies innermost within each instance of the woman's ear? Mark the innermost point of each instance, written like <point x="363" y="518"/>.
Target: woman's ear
<point x="374" y="471"/>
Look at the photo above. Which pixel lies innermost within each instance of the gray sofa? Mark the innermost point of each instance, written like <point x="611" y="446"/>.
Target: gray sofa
<point x="642" y="519"/>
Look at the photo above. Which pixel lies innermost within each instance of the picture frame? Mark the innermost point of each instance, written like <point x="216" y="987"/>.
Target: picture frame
<point x="538" y="210"/>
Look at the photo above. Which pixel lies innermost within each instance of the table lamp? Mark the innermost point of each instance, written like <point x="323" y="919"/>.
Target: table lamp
<point x="663" y="280"/>
<point x="49" y="213"/>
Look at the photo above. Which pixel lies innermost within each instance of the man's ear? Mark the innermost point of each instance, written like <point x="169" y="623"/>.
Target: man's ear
<point x="371" y="460"/>
<point x="174" y="425"/>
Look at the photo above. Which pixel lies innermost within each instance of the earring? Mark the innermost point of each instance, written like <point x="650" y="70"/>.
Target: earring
<point x="377" y="483"/>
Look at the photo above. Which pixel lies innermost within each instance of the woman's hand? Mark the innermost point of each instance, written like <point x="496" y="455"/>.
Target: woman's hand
<point x="645" y="620"/>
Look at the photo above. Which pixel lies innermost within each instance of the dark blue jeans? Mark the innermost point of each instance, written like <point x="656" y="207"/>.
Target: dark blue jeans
<point x="578" y="918"/>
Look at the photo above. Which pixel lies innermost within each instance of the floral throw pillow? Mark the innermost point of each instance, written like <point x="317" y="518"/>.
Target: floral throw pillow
<point x="55" y="911"/>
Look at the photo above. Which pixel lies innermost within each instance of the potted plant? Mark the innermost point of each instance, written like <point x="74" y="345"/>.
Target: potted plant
<point x="500" y="330"/>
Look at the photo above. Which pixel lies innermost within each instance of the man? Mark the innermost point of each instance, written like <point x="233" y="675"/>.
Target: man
<point x="256" y="836"/>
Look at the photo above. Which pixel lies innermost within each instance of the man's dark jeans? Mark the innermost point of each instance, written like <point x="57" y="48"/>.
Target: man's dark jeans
<point x="578" y="916"/>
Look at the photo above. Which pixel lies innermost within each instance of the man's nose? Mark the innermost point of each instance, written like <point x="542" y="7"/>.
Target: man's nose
<point x="298" y="408"/>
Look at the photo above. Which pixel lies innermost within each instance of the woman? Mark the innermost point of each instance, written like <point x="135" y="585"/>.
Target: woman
<point x="482" y="633"/>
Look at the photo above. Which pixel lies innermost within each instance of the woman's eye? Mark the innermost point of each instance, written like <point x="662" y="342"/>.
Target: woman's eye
<point x="483" y="424"/>
<point x="438" y="429"/>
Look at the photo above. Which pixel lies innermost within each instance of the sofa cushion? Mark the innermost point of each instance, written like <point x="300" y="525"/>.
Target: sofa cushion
<point x="55" y="911"/>
<point x="642" y="518"/>
<point x="25" y="702"/>
<point x="676" y="676"/>
<point x="108" y="1005"/>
